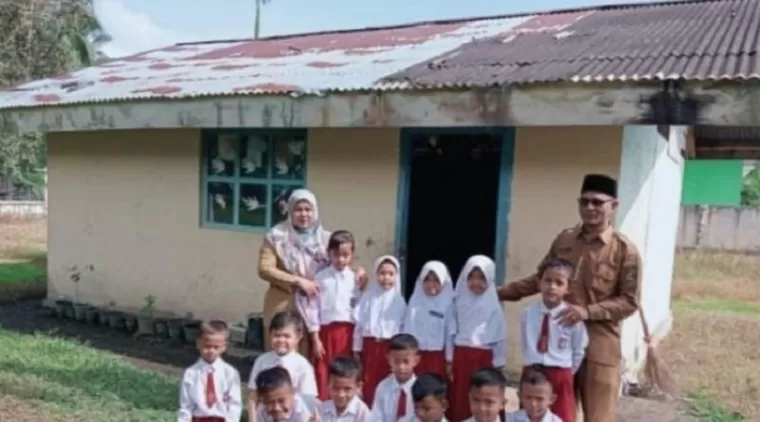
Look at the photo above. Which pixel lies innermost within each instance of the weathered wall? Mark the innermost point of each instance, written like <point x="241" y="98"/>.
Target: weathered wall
<point x="128" y="203"/>
<point x="725" y="228"/>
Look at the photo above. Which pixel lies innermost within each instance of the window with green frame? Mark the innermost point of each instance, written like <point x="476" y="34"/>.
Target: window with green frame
<point x="248" y="175"/>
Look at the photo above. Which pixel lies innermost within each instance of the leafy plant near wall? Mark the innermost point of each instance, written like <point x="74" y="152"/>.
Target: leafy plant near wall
<point x="75" y="275"/>
<point x="751" y="188"/>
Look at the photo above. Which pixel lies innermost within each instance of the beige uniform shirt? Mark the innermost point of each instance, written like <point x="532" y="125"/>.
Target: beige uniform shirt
<point x="607" y="282"/>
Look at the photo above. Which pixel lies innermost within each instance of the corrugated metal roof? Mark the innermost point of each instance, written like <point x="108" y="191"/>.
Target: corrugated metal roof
<point x="696" y="40"/>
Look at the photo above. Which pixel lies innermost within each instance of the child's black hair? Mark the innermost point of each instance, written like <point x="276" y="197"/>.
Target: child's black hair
<point x="428" y="385"/>
<point x="533" y="376"/>
<point x="285" y="319"/>
<point x="488" y="377"/>
<point x="558" y="263"/>
<point x="403" y="341"/>
<point x="345" y="367"/>
<point x="272" y="379"/>
<point x="340" y="237"/>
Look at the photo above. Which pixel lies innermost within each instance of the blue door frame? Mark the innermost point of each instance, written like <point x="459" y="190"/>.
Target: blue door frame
<point x="505" y="188"/>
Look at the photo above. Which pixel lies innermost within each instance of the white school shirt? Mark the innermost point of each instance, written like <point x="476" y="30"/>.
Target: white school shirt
<point x="192" y="395"/>
<point x="413" y="418"/>
<point x="521" y="416"/>
<point x="356" y="411"/>
<point x="436" y="332"/>
<point x="567" y="344"/>
<point x="472" y="419"/>
<point x="386" y="399"/>
<point x="300" y="370"/>
<point x="335" y="301"/>
<point x="305" y="409"/>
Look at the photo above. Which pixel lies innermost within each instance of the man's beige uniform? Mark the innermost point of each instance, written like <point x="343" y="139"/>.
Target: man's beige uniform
<point x="606" y="282"/>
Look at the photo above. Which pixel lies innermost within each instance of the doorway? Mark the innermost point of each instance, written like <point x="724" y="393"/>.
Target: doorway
<point x="452" y="183"/>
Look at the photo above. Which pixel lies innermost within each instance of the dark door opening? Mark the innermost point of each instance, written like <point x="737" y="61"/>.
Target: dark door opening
<point x="453" y="198"/>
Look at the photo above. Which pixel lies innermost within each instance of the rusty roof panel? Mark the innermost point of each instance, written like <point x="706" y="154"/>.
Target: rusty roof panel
<point x="704" y="40"/>
<point x="712" y="39"/>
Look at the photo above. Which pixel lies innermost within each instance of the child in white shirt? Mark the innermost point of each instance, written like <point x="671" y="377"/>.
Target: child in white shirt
<point x="487" y="396"/>
<point x="378" y="316"/>
<point x="430" y="394"/>
<point x="535" y="397"/>
<point x="480" y="340"/>
<point x="329" y="315"/>
<point x="430" y="319"/>
<point x="278" y="400"/>
<point x="285" y="331"/>
<point x="210" y="390"/>
<point x="555" y="349"/>
<point x="393" y="397"/>
<point x="344" y="405"/>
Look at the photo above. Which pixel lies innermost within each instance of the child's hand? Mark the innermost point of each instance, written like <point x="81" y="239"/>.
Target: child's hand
<point x="450" y="371"/>
<point x="319" y="349"/>
<point x="361" y="278"/>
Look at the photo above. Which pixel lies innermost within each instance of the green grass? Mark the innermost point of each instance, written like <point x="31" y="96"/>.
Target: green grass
<point x="21" y="272"/>
<point x="704" y="407"/>
<point x="719" y="305"/>
<point x="65" y="378"/>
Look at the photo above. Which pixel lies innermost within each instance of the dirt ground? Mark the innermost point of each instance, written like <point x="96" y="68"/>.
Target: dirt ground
<point x="169" y="358"/>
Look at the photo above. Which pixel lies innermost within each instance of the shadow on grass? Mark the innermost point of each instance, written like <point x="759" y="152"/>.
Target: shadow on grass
<point x="66" y="374"/>
<point x="162" y="355"/>
<point x="706" y="408"/>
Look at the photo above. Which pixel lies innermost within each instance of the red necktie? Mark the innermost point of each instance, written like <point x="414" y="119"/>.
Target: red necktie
<point x="543" y="337"/>
<point x="401" y="406"/>
<point x="210" y="390"/>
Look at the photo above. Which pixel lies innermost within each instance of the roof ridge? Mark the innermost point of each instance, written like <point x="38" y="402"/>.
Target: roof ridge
<point x="603" y="7"/>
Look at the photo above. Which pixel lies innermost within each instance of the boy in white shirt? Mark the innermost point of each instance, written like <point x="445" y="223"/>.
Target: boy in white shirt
<point x="278" y="400"/>
<point x="430" y="394"/>
<point x="344" y="386"/>
<point x="552" y="348"/>
<point x="285" y="331"/>
<point x="210" y="390"/>
<point x="536" y="396"/>
<point x="393" y="396"/>
<point x="487" y="396"/>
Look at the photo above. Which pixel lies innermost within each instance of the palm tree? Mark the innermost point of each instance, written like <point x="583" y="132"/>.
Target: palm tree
<point x="257" y="23"/>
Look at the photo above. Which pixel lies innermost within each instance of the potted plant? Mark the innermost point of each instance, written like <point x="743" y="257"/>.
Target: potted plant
<point x="130" y="322"/>
<point x="113" y="317"/>
<point x="174" y="329"/>
<point x="92" y="316"/>
<point x="161" y="327"/>
<point x="62" y="307"/>
<point x="145" y="319"/>
<point x="191" y="328"/>
<point x="79" y="308"/>
<point x="254" y="337"/>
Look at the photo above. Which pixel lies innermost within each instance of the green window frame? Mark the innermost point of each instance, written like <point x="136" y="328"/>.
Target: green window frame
<point x="248" y="174"/>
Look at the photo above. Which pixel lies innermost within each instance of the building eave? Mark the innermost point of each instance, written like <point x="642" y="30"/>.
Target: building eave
<point x="714" y="103"/>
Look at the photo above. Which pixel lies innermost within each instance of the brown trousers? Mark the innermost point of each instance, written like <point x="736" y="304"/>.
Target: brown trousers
<point x="597" y="389"/>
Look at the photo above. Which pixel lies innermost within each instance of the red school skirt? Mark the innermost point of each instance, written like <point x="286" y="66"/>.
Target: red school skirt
<point x="467" y="361"/>
<point x="374" y="366"/>
<point x="561" y="380"/>
<point x="432" y="362"/>
<point x="336" y="338"/>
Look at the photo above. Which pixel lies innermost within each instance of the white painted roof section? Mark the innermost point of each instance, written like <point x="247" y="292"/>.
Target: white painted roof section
<point x="294" y="65"/>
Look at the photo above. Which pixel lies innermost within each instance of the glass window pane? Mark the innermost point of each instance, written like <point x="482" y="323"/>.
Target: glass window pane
<point x="219" y="203"/>
<point x="220" y="155"/>
<point x="289" y="158"/>
<point x="279" y="202"/>
<point x="254" y="157"/>
<point x="253" y="205"/>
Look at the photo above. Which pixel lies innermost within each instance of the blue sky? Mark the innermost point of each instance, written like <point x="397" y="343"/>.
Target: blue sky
<point x="139" y="25"/>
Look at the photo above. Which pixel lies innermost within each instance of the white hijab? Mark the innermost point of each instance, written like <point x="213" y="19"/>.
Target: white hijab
<point x="418" y="315"/>
<point x="303" y="252"/>
<point x="479" y="317"/>
<point x="381" y="312"/>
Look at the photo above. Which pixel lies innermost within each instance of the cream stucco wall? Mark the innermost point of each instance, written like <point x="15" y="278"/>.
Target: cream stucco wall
<point x="550" y="163"/>
<point x="127" y="202"/>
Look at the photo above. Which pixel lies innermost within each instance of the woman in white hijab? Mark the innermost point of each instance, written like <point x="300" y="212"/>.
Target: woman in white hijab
<point x="480" y="340"/>
<point x="430" y="319"/>
<point x="293" y="251"/>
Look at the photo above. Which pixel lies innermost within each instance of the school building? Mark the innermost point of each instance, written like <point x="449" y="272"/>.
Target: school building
<point x="428" y="140"/>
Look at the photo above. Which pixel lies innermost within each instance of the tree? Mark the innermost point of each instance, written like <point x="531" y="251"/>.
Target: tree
<point x="751" y="189"/>
<point x="41" y="38"/>
<point x="257" y="23"/>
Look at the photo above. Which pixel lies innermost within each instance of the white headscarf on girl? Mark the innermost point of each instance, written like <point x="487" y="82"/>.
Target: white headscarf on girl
<point x="303" y="251"/>
<point x="381" y="312"/>
<point x="418" y="315"/>
<point x="479" y="317"/>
